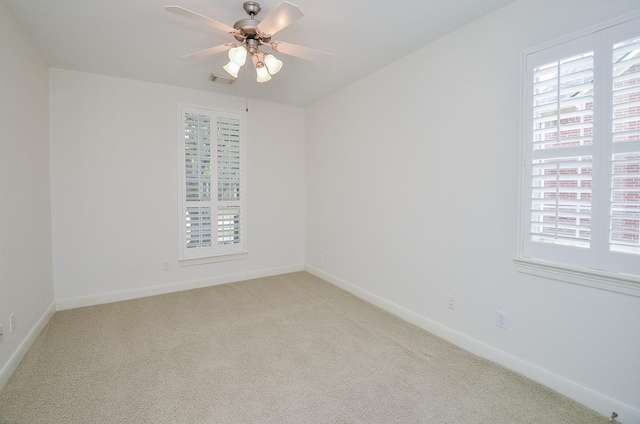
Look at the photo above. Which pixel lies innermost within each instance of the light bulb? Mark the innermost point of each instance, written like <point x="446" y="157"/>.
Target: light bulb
<point x="263" y="74"/>
<point x="273" y="64"/>
<point x="232" y="69"/>
<point x="238" y="55"/>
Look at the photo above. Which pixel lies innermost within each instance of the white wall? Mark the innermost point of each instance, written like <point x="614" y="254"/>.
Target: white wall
<point x="412" y="192"/>
<point x="26" y="282"/>
<point x="114" y="176"/>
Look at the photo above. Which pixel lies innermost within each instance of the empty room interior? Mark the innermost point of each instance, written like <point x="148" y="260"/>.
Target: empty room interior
<point x="454" y="180"/>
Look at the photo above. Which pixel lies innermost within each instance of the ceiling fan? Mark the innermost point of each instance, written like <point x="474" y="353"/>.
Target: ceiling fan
<point x="252" y="35"/>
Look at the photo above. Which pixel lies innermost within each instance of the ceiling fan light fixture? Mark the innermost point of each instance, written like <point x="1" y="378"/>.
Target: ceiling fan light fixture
<point x="232" y="69"/>
<point x="238" y="55"/>
<point x="272" y="63"/>
<point x="262" y="73"/>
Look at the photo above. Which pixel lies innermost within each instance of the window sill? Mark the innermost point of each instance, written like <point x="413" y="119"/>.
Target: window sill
<point x="213" y="259"/>
<point x="618" y="283"/>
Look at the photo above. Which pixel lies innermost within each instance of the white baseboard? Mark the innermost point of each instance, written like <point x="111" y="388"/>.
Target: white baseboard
<point x="599" y="402"/>
<point x="81" y="301"/>
<point x="14" y="361"/>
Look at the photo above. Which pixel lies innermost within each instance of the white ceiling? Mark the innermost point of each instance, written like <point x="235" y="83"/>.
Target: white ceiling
<point x="138" y="39"/>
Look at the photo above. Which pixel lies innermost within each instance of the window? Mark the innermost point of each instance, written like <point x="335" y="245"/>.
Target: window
<point x="212" y="191"/>
<point x="581" y="143"/>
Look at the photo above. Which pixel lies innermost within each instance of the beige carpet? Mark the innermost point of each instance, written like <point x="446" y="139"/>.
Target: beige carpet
<point x="285" y="349"/>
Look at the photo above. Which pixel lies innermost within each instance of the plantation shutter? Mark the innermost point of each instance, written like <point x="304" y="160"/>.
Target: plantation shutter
<point x="197" y="163"/>
<point x="582" y="151"/>
<point x="625" y="167"/>
<point x="212" y="190"/>
<point x="229" y="183"/>
<point x="562" y="139"/>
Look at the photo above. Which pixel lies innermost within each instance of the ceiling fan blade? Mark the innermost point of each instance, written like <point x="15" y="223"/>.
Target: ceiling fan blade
<point x="199" y="18"/>
<point x="283" y="16"/>
<point x="207" y="52"/>
<point x="302" y="52"/>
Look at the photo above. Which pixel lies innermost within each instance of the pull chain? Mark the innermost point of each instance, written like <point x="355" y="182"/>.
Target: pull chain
<point x="246" y="90"/>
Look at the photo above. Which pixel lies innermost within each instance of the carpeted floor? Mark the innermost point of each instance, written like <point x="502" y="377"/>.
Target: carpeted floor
<point x="284" y="349"/>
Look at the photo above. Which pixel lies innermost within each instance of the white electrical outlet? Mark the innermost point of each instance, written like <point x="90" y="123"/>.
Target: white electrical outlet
<point x="12" y="322"/>
<point x="501" y="319"/>
<point x="326" y="257"/>
<point x="451" y="302"/>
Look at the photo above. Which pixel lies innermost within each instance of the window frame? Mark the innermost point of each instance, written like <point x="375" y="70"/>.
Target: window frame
<point x="543" y="267"/>
<point x="215" y="252"/>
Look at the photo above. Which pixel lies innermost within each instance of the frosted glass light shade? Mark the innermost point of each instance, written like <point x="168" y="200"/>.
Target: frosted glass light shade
<point x="232" y="69"/>
<point x="273" y="64"/>
<point x="238" y="55"/>
<point x="263" y="74"/>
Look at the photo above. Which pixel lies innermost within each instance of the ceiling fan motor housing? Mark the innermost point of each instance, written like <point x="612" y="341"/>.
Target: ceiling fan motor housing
<point x="247" y="27"/>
